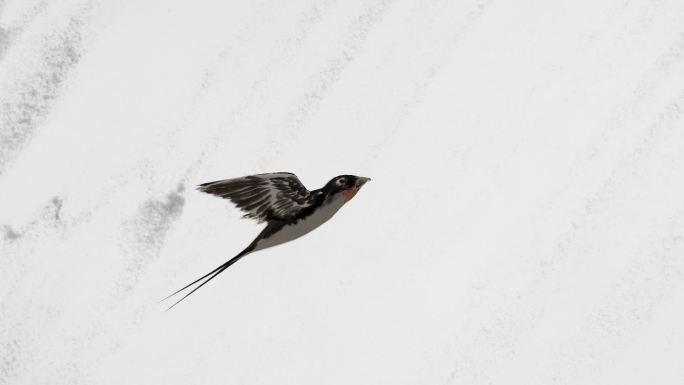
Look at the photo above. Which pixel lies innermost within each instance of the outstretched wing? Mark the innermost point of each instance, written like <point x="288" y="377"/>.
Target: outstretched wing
<point x="275" y="196"/>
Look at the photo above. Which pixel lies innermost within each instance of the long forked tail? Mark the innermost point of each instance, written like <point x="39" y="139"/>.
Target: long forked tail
<point x="212" y="274"/>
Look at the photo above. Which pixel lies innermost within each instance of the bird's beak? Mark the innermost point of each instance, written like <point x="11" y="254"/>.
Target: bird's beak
<point x="360" y="181"/>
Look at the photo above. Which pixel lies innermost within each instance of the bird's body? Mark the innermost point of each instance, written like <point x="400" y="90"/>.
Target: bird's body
<point x="281" y="200"/>
<point x="303" y="226"/>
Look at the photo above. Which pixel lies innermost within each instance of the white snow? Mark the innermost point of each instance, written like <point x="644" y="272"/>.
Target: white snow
<point x="524" y="225"/>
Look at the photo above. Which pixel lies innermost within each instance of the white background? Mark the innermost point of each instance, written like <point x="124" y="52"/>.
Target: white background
<point x="524" y="225"/>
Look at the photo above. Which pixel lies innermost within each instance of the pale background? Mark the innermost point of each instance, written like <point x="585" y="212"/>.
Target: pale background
<point x="524" y="225"/>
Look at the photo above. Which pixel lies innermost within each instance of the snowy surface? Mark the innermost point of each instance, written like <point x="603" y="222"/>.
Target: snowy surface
<point x="524" y="225"/>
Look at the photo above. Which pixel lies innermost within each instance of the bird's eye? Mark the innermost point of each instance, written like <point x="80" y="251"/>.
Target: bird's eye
<point x="341" y="181"/>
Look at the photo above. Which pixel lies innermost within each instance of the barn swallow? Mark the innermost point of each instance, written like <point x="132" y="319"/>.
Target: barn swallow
<point x="283" y="203"/>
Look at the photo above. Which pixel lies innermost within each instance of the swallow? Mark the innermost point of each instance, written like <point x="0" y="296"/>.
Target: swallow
<point x="283" y="203"/>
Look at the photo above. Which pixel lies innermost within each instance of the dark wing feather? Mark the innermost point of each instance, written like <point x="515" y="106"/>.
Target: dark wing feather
<point x="276" y="196"/>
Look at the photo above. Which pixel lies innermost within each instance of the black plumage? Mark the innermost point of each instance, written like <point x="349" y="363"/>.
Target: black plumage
<point x="265" y="197"/>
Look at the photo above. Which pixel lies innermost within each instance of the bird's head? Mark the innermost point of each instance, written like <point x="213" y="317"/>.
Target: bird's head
<point x="347" y="185"/>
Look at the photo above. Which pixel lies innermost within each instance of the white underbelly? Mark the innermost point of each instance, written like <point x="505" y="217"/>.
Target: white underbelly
<point x="304" y="226"/>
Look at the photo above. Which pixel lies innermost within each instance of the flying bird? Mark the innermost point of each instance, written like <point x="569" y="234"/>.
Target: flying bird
<point x="282" y="201"/>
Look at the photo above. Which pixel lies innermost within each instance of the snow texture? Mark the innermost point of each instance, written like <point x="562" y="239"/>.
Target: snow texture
<point x="524" y="224"/>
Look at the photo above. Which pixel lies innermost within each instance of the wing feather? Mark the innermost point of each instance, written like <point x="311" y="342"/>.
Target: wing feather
<point x="274" y="196"/>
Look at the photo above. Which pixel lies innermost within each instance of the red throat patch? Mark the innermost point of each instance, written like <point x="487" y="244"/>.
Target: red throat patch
<point x="349" y="193"/>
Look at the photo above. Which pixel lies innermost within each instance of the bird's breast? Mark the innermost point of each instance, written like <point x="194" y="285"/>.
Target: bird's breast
<point x="305" y="225"/>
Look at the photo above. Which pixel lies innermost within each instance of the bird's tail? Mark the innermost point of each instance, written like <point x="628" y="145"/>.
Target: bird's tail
<point x="212" y="274"/>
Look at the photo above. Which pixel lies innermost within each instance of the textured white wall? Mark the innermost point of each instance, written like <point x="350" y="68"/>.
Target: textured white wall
<point x="524" y="225"/>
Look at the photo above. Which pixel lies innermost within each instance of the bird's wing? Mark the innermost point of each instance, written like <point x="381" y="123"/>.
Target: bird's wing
<point x="275" y="196"/>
